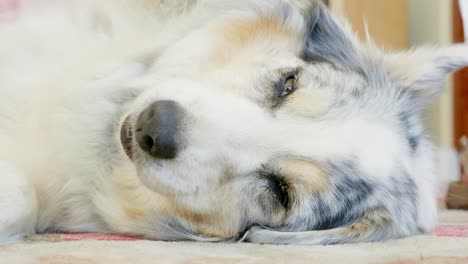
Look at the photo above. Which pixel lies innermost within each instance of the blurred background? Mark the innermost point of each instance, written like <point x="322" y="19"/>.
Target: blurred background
<point x="402" y="24"/>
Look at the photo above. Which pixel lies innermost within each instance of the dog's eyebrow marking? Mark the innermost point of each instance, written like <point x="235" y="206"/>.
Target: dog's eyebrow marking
<point x="304" y="174"/>
<point x="235" y="36"/>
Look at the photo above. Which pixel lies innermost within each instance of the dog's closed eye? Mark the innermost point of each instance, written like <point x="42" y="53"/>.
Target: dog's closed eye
<point x="279" y="188"/>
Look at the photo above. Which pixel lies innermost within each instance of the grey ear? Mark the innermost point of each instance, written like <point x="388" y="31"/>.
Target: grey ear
<point x="326" y="40"/>
<point x="424" y="69"/>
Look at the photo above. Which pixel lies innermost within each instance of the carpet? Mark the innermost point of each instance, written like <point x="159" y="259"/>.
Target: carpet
<point x="447" y="244"/>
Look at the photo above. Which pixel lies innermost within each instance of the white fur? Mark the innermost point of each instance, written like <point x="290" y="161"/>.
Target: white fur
<point x="65" y="74"/>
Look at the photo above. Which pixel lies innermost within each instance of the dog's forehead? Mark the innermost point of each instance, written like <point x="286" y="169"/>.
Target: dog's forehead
<point x="261" y="34"/>
<point x="242" y="47"/>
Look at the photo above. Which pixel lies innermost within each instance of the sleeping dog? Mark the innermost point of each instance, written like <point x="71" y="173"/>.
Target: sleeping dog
<point x="213" y="120"/>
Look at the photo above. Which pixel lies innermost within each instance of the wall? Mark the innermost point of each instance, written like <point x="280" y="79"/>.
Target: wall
<point x="387" y="21"/>
<point x="430" y="22"/>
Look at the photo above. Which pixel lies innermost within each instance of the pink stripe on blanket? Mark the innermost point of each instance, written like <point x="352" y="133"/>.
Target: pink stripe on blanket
<point x="443" y="230"/>
<point x="454" y="230"/>
<point x="96" y="236"/>
<point x="8" y="5"/>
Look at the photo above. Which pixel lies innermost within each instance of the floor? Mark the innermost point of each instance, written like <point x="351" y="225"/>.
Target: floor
<point x="448" y="244"/>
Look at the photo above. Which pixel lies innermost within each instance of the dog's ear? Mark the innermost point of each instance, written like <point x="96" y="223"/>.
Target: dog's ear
<point x="423" y="70"/>
<point x="326" y="38"/>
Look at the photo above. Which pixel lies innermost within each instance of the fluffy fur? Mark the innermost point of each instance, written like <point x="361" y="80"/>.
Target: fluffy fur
<point x="344" y="157"/>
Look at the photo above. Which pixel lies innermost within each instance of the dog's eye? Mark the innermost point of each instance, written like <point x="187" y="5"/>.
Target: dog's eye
<point x="288" y="85"/>
<point x="279" y="188"/>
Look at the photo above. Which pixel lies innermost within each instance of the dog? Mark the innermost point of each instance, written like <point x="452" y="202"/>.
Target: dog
<point x="213" y="120"/>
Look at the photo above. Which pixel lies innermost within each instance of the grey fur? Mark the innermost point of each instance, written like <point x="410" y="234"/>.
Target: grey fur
<point x="325" y="41"/>
<point x="342" y="156"/>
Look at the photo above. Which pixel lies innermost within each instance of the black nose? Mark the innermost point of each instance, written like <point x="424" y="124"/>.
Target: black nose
<point x="158" y="129"/>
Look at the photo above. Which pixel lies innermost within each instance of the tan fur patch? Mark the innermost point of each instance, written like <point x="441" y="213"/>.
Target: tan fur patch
<point x="194" y="217"/>
<point x="372" y="221"/>
<point x="247" y="30"/>
<point x="308" y="104"/>
<point x="215" y="232"/>
<point x="208" y="225"/>
<point x="239" y="34"/>
<point x="133" y="212"/>
<point x="304" y="174"/>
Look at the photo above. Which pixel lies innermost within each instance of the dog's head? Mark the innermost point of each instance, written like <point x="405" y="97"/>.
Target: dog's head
<point x="250" y="117"/>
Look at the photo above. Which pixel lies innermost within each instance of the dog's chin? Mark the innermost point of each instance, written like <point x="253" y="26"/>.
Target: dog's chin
<point x="126" y="137"/>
